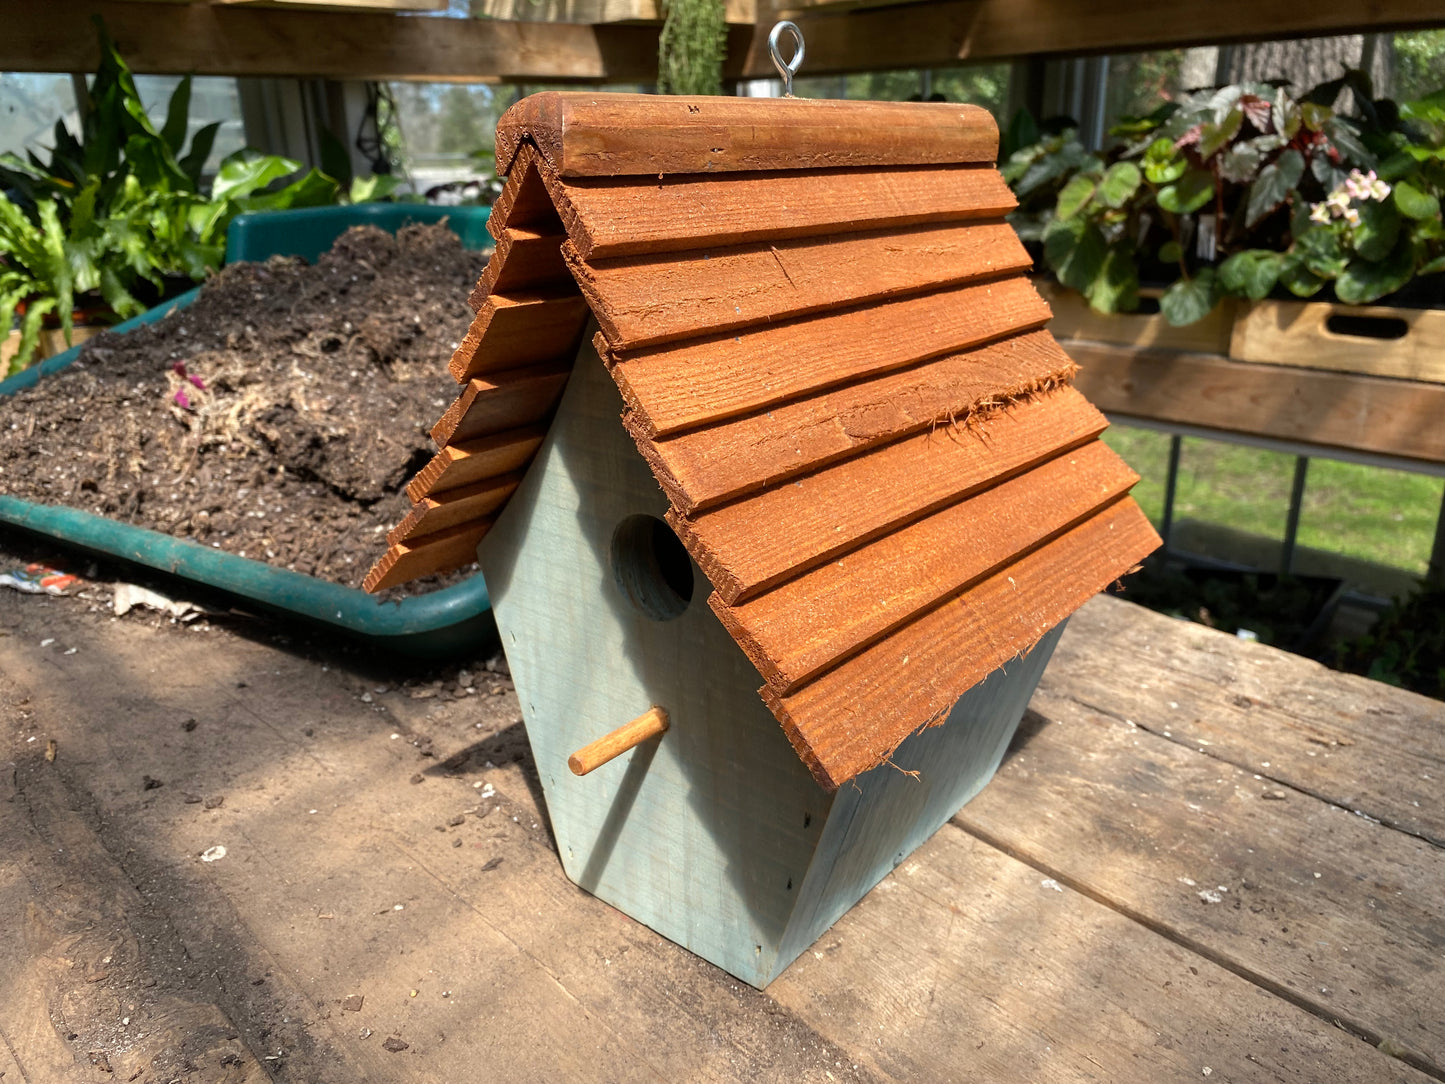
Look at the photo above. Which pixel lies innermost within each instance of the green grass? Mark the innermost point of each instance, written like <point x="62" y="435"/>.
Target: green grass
<point x="1372" y="514"/>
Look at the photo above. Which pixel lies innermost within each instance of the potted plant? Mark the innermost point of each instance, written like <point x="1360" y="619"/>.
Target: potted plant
<point x="1244" y="192"/>
<point x="117" y="219"/>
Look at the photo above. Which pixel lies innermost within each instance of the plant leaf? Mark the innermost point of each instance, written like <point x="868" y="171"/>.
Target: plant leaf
<point x="1273" y="186"/>
<point x="1252" y="273"/>
<point x="1365" y="281"/>
<point x="1170" y="252"/>
<point x="1120" y="183"/>
<point x="1213" y="137"/>
<point x="1322" y="251"/>
<point x="247" y="170"/>
<point x="1116" y="287"/>
<point x="1378" y="230"/>
<point x="1074" y="250"/>
<point x="1163" y="164"/>
<point x="1299" y="279"/>
<point x="1187" y="195"/>
<point x="195" y="160"/>
<point x="1075" y="195"/>
<point x="1343" y="132"/>
<point x="178" y="112"/>
<point x="1413" y="203"/>
<point x="1188" y="301"/>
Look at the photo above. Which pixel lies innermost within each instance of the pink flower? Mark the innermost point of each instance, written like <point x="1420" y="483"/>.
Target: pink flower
<point x="197" y="381"/>
<point x="182" y="399"/>
<point x="179" y="368"/>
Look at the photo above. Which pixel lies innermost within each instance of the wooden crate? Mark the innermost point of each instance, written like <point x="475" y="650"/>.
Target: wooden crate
<point x="1373" y="339"/>
<point x="1074" y="319"/>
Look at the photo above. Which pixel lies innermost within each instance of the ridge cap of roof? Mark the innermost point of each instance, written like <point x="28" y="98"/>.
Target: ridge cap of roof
<point x="580" y="134"/>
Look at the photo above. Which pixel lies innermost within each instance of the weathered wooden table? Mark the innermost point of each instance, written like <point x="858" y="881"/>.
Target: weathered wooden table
<point x="1203" y="859"/>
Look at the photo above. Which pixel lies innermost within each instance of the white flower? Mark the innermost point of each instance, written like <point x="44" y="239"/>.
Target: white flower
<point x="1352" y="216"/>
<point x="1319" y="212"/>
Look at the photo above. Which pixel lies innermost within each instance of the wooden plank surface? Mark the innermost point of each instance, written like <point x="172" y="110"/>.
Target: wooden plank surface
<point x="641" y="301"/>
<point x="1299" y="333"/>
<point x="1294" y="722"/>
<point x="455" y="507"/>
<point x="964" y="964"/>
<point x="524" y="202"/>
<point x="609" y="217"/>
<point x="930" y="979"/>
<point x="608" y="135"/>
<point x="471" y="461"/>
<point x="703" y="468"/>
<point x="814" y="621"/>
<point x="924" y="667"/>
<point x="597" y="11"/>
<point x="1339" y="410"/>
<point x="520" y="330"/>
<point x="501" y="402"/>
<point x="1334" y="912"/>
<point x="952" y="32"/>
<point x="1075" y="318"/>
<point x="677" y="387"/>
<point x="526" y="259"/>
<point x="426" y="555"/>
<point x="749" y="546"/>
<point x="220" y="39"/>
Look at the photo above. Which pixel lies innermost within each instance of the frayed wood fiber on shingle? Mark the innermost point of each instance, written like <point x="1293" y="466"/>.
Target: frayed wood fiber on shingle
<point x="751" y="545"/>
<point x="854" y="716"/>
<point x="705" y="467"/>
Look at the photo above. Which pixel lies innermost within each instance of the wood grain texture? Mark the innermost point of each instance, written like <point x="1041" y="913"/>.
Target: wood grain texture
<point x="608" y="135"/>
<point x="608" y="217"/>
<point x="1299" y="333"/>
<point x="525" y="260"/>
<point x="454" y="508"/>
<point x="625" y="738"/>
<point x="1356" y="744"/>
<point x="752" y="545"/>
<point x="643" y="301"/>
<point x="524" y="202"/>
<point x="1339" y="410"/>
<point x="703" y="468"/>
<point x="914" y="676"/>
<point x="716" y="836"/>
<point x="1075" y="318"/>
<point x="681" y="386"/>
<point x="815" y="621"/>
<point x="1335" y="911"/>
<point x="230" y="40"/>
<point x="976" y="967"/>
<point x="444" y="551"/>
<point x="952" y="32"/>
<point x="471" y="461"/>
<point x="523" y="329"/>
<point x="501" y="402"/>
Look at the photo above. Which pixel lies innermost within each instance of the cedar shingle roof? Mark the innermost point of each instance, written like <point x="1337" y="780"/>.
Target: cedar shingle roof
<point x="837" y="370"/>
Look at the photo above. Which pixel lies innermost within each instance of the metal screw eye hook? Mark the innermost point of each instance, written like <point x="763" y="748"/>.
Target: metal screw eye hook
<point x="790" y="68"/>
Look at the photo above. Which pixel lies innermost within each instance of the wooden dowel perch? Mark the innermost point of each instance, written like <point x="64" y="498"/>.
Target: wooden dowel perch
<point x="593" y="756"/>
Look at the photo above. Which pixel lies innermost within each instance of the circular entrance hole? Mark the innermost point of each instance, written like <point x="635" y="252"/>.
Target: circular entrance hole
<point x="651" y="567"/>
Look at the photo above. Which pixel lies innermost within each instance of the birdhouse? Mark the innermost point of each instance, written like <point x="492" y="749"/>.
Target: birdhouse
<point x="758" y="393"/>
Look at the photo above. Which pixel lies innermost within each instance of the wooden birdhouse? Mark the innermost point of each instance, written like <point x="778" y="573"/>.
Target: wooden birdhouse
<point x="759" y="393"/>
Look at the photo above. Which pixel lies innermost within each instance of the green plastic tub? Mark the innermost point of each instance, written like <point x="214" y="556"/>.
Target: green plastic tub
<point x="451" y="622"/>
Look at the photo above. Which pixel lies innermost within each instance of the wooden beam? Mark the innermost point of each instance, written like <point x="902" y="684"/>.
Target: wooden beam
<point x="1335" y="410"/>
<point x="235" y="40"/>
<point x="961" y="31"/>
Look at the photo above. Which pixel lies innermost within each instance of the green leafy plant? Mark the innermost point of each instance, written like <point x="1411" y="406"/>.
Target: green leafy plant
<point x="1229" y="192"/>
<point x="119" y="211"/>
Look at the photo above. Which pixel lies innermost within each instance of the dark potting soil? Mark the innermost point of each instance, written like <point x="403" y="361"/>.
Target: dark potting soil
<point x="279" y="416"/>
